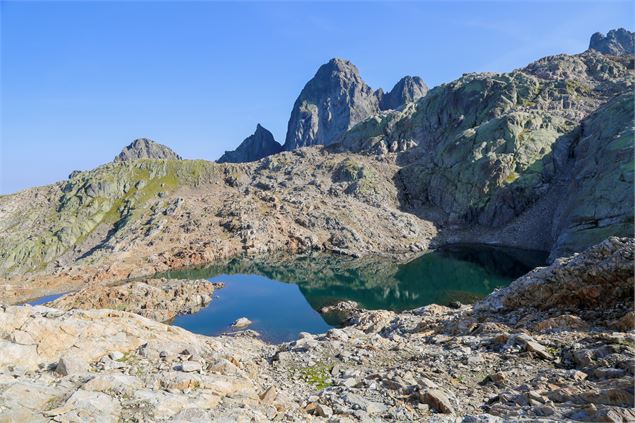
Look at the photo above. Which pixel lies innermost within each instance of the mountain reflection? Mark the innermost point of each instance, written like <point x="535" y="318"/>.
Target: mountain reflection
<point x="459" y="272"/>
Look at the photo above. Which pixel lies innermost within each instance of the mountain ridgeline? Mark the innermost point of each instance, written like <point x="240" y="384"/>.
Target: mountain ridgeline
<point x="538" y="158"/>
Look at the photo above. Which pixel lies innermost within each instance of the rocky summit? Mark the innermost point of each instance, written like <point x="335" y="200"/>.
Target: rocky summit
<point x="143" y="148"/>
<point x="337" y="98"/>
<point x="616" y="42"/>
<point x="407" y="90"/>
<point x="255" y="147"/>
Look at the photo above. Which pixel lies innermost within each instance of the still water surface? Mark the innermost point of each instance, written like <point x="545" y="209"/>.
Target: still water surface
<point x="282" y="296"/>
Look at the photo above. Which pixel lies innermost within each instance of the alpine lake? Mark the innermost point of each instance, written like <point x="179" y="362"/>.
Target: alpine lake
<point x="283" y="296"/>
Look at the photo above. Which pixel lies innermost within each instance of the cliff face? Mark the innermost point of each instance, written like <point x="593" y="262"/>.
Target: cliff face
<point x="255" y="147"/>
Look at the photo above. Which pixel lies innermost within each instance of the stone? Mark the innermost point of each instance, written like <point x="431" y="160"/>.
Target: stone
<point x="323" y="410"/>
<point x="116" y="355"/>
<point x="438" y="400"/>
<point x="242" y="322"/>
<point x="625" y="323"/>
<point x="113" y="383"/>
<point x="532" y="346"/>
<point x="361" y="403"/>
<point x="564" y="322"/>
<point x="191" y="366"/>
<point x="565" y="283"/>
<point x="269" y="395"/>
<point x="91" y="406"/>
<point x="69" y="365"/>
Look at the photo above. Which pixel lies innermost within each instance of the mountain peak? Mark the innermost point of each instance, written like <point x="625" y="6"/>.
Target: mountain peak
<point x="145" y="148"/>
<point x="334" y="100"/>
<point x="616" y="42"/>
<point x="408" y="89"/>
<point x="258" y="145"/>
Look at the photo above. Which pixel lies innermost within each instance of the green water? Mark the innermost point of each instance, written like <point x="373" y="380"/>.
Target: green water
<point x="283" y="295"/>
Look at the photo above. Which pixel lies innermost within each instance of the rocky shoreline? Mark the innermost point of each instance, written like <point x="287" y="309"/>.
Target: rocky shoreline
<point x="156" y="299"/>
<point x="498" y="360"/>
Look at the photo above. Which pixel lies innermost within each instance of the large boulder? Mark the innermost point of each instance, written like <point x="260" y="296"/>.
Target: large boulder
<point x="598" y="278"/>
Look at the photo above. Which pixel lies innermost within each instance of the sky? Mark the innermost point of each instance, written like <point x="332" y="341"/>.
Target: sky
<point x="80" y="80"/>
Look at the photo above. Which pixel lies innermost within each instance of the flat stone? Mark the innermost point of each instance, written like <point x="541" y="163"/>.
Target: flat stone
<point x="532" y="346"/>
<point x="269" y="395"/>
<point x="116" y="355"/>
<point x="323" y="410"/>
<point x="438" y="400"/>
<point x="71" y="365"/>
<point x="191" y="366"/>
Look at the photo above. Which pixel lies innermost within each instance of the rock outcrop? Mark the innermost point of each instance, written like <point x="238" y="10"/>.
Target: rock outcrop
<point x="600" y="277"/>
<point x="407" y="90"/>
<point x="139" y="218"/>
<point x="156" y="299"/>
<point x="615" y="42"/>
<point x="255" y="147"/>
<point x="143" y="148"/>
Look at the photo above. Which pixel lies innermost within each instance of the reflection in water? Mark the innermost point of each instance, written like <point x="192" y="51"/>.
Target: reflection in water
<point x="281" y="310"/>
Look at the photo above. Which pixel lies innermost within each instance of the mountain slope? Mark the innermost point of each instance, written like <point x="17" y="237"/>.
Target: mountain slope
<point x="486" y="148"/>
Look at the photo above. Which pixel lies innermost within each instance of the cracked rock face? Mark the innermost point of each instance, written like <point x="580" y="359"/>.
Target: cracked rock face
<point x="255" y="147"/>
<point x="616" y="42"/>
<point x="143" y="148"/>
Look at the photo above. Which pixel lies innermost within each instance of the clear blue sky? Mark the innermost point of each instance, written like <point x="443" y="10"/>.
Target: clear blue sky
<point x="82" y="79"/>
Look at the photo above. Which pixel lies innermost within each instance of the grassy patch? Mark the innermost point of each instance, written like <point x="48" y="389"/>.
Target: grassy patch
<point x="318" y="376"/>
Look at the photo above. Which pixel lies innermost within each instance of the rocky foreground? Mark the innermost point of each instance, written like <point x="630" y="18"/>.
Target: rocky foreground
<point x="535" y="350"/>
